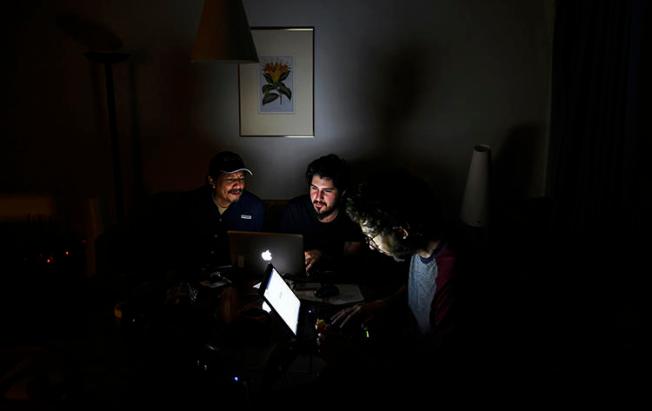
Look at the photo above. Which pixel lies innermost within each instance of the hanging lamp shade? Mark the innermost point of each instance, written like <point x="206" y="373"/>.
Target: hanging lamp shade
<point x="224" y="34"/>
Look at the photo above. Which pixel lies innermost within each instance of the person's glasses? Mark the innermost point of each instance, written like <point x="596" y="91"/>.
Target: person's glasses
<point x="369" y="240"/>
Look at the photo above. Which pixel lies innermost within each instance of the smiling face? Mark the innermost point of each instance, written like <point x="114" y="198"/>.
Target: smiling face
<point x="324" y="197"/>
<point x="227" y="188"/>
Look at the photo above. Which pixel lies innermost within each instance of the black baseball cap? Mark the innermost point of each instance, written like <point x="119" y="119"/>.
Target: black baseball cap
<point x="226" y="162"/>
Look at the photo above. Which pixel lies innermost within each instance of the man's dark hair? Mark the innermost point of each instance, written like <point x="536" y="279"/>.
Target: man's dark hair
<point x="330" y="166"/>
<point x="397" y="199"/>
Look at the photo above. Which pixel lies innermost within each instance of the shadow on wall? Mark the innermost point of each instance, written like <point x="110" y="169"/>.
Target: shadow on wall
<point x="519" y="166"/>
<point x="436" y="177"/>
<point x="394" y="90"/>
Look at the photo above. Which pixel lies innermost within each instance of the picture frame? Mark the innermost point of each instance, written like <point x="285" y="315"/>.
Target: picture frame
<point x="276" y="95"/>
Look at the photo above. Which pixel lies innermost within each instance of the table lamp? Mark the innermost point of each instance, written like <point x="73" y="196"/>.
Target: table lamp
<point x="475" y="204"/>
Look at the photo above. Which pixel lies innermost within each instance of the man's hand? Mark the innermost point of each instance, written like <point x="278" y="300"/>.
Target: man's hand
<point x="311" y="257"/>
<point x="363" y="313"/>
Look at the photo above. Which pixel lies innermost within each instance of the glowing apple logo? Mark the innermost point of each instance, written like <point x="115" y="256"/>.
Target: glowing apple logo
<point x="267" y="255"/>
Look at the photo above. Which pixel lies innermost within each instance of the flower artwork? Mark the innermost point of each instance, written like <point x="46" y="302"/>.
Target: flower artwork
<point x="276" y="83"/>
<point x="276" y="95"/>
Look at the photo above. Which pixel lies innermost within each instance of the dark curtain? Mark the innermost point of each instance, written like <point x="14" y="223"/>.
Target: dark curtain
<point x="599" y="176"/>
<point x="599" y="146"/>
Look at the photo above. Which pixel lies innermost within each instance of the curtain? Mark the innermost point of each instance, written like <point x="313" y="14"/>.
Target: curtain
<point x="599" y="150"/>
<point x="600" y="181"/>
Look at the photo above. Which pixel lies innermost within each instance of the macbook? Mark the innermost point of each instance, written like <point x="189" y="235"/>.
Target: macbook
<point x="251" y="252"/>
<point x="280" y="297"/>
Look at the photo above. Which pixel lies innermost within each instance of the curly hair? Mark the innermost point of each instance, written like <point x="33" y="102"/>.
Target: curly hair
<point x="416" y="209"/>
<point x="330" y="166"/>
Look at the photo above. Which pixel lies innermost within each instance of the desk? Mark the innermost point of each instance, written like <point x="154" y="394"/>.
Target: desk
<point x="260" y="346"/>
<point x="348" y="294"/>
<point x="219" y="342"/>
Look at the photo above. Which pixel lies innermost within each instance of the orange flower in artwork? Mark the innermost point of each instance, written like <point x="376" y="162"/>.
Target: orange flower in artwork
<point x="275" y="73"/>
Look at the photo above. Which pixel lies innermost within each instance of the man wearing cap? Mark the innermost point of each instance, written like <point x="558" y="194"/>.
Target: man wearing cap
<point x="210" y="211"/>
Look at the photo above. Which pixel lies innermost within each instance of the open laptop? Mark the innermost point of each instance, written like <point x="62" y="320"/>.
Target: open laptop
<point x="251" y="252"/>
<point x="280" y="297"/>
<point x="297" y="316"/>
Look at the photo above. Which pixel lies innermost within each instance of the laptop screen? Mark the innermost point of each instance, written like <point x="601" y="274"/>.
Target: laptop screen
<point x="281" y="298"/>
<point x="252" y="251"/>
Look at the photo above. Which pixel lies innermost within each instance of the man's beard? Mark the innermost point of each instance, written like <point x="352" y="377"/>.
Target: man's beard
<point x="325" y="212"/>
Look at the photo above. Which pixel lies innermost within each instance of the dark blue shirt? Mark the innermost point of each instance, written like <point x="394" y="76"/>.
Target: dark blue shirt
<point x="203" y="240"/>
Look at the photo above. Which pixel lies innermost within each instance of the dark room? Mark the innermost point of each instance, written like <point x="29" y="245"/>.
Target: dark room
<point x="246" y="203"/>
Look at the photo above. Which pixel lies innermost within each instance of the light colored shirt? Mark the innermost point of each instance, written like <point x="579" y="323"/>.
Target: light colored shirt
<point x="421" y="289"/>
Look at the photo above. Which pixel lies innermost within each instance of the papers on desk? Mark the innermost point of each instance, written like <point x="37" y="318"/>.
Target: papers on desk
<point x="349" y="294"/>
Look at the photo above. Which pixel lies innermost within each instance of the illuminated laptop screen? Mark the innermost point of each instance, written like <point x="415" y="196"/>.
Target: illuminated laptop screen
<point x="282" y="299"/>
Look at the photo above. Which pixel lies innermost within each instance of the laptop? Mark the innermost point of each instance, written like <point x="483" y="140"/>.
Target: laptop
<point x="280" y="297"/>
<point x="251" y="252"/>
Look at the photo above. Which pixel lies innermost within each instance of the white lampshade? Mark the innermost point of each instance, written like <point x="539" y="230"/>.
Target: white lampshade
<point x="224" y="34"/>
<point x="475" y="204"/>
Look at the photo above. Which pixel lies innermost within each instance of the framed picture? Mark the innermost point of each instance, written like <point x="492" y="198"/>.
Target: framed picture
<point x="277" y="94"/>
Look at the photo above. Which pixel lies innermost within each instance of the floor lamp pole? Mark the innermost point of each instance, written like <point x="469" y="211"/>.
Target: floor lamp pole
<point x="108" y="59"/>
